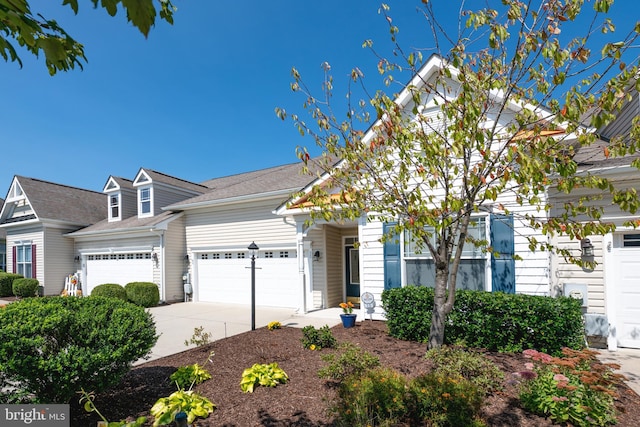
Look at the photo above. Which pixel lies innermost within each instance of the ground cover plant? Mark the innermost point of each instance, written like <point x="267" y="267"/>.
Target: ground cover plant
<point x="304" y="399"/>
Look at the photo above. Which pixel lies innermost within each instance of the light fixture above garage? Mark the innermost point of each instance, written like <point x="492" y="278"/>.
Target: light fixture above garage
<point x="587" y="247"/>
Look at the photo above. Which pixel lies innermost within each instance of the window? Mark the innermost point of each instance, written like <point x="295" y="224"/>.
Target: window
<point x="24" y="260"/>
<point x="240" y="255"/>
<point x="420" y="270"/>
<point x="145" y="201"/>
<point x="3" y="259"/>
<point x="631" y="240"/>
<point x="114" y="206"/>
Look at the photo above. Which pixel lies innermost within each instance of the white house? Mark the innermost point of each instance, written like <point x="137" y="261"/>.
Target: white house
<point x="172" y="232"/>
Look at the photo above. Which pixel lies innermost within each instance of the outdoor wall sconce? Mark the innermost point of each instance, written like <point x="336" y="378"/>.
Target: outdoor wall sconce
<point x="316" y="256"/>
<point x="154" y="257"/>
<point x="77" y="258"/>
<point x="587" y="247"/>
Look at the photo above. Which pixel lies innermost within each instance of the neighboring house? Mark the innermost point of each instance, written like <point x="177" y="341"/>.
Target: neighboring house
<point x="3" y="244"/>
<point x="612" y="288"/>
<point x="137" y="241"/>
<point x="36" y="216"/>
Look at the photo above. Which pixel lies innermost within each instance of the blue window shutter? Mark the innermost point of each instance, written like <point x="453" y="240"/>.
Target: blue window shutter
<point x="503" y="267"/>
<point x="391" y="254"/>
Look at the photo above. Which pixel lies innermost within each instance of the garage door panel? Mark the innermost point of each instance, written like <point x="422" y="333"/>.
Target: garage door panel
<point x="120" y="271"/>
<point x="628" y="297"/>
<point x="229" y="281"/>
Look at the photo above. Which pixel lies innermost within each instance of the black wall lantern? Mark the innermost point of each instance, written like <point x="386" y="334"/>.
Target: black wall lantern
<point x="587" y="247"/>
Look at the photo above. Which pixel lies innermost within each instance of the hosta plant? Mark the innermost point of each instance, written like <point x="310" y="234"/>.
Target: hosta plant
<point x="268" y="375"/>
<point x="188" y="376"/>
<point x="190" y="402"/>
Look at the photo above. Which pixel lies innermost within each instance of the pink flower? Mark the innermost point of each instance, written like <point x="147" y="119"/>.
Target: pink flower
<point x="528" y="366"/>
<point x="559" y="399"/>
<point x="560" y="378"/>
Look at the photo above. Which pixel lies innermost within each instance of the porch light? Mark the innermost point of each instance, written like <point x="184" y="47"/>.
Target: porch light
<point x="253" y="249"/>
<point x="316" y="256"/>
<point x="587" y="247"/>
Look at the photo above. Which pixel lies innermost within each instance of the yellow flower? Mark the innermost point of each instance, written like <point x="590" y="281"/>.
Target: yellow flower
<point x="347" y="307"/>
<point x="312" y="347"/>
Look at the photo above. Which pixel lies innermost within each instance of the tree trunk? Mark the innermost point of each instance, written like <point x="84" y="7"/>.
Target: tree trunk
<point x="439" y="314"/>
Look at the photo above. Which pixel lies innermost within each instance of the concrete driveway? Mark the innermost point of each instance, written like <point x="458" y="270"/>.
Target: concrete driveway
<point x="175" y="323"/>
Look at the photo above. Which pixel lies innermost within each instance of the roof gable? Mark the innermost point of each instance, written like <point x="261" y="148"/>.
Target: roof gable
<point x="115" y="183"/>
<point x="43" y="200"/>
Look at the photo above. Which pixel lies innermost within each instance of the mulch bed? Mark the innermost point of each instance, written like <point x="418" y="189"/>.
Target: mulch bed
<point x="304" y="400"/>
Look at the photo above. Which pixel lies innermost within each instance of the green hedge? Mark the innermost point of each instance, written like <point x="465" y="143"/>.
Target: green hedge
<point x="52" y="347"/>
<point x="24" y="287"/>
<point x="492" y="320"/>
<point x="6" y="283"/>
<point x="145" y="294"/>
<point x="110" y="290"/>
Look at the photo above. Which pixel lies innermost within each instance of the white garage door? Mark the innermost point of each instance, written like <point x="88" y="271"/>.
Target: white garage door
<point x="627" y="259"/>
<point x="226" y="277"/>
<point x="118" y="268"/>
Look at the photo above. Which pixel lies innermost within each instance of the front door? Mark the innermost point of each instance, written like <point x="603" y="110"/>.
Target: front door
<point x="352" y="273"/>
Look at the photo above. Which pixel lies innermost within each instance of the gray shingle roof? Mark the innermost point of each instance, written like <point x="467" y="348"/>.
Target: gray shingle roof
<point x="287" y="177"/>
<point x="64" y="203"/>
<point x="126" y="224"/>
<point x="174" y="182"/>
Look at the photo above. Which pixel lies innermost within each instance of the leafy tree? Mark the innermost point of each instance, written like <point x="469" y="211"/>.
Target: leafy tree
<point x="495" y="127"/>
<point x="62" y="52"/>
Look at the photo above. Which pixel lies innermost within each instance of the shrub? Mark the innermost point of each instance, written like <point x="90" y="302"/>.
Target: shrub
<point x="492" y="320"/>
<point x="110" y="290"/>
<point x="348" y="361"/>
<point x="145" y="294"/>
<point x="573" y="389"/>
<point x="24" y="287"/>
<point x="6" y="283"/>
<point x="199" y="337"/>
<point x="190" y="402"/>
<point x="317" y="339"/>
<point x="453" y="362"/>
<point x="188" y="376"/>
<point x="268" y="375"/>
<point x="444" y="399"/>
<point x="375" y="399"/>
<point x="53" y="347"/>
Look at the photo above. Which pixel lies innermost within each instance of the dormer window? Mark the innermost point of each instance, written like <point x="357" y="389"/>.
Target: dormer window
<point x="145" y="201"/>
<point x="114" y="207"/>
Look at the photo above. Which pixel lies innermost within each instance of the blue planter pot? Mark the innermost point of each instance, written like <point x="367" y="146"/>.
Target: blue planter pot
<point x="348" y="320"/>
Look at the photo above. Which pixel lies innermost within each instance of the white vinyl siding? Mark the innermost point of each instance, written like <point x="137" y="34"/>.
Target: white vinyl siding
<point x="319" y="278"/>
<point x="175" y="265"/>
<point x="566" y="272"/>
<point x="59" y="262"/>
<point x="236" y="226"/>
<point x="335" y="266"/>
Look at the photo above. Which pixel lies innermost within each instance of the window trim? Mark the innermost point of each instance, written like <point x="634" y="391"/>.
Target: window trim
<point x="142" y="201"/>
<point x="118" y="206"/>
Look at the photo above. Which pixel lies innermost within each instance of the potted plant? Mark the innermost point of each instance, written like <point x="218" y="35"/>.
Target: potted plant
<point x="347" y="316"/>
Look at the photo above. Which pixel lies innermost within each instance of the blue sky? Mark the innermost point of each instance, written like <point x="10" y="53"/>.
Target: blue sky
<point x="195" y="100"/>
